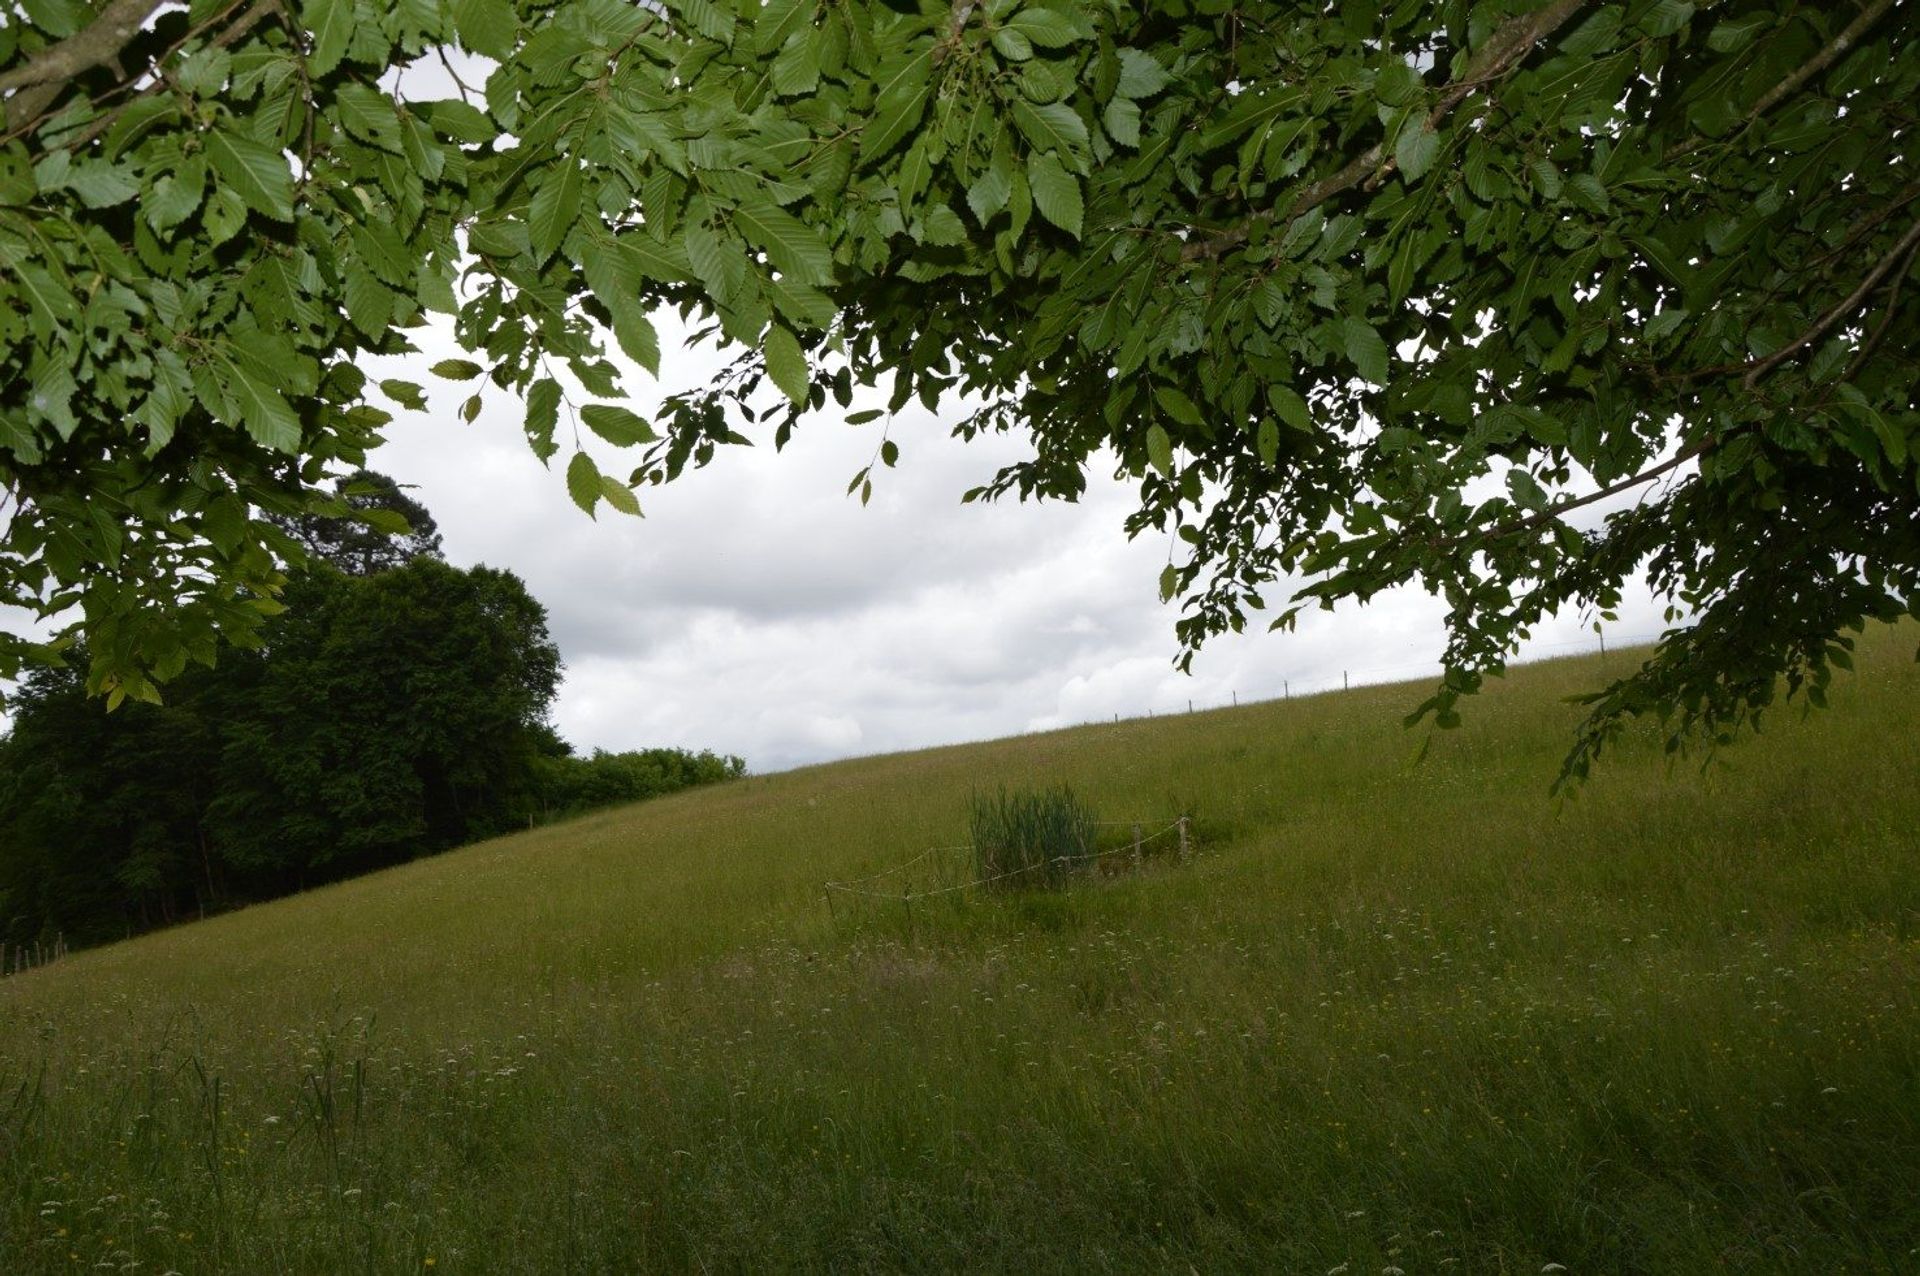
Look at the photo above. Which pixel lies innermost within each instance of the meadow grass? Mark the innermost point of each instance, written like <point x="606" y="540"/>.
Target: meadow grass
<point x="1388" y="1017"/>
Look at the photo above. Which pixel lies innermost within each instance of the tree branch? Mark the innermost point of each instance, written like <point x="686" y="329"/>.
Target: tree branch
<point x="1500" y="54"/>
<point x="1821" y="60"/>
<point x="99" y="41"/>
<point x="1795" y="79"/>
<point x="1553" y="512"/>
<point x="1847" y="306"/>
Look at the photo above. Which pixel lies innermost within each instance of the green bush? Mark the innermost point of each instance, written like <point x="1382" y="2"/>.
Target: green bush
<point x="1031" y="837"/>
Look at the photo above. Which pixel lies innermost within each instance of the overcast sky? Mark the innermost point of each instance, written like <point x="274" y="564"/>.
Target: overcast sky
<point x="759" y="610"/>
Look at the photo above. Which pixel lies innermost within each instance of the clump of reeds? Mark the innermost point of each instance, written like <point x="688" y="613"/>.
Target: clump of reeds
<point x="1029" y="837"/>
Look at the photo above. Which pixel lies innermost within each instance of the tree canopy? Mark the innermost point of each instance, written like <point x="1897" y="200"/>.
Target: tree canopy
<point x="1361" y="295"/>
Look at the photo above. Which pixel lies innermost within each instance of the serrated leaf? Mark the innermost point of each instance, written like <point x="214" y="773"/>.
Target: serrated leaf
<point x="711" y="18"/>
<point x="543" y="416"/>
<point x="1267" y="441"/>
<point x="457" y="369"/>
<point x="1525" y="490"/>
<point x="331" y="24"/>
<point x="1122" y="121"/>
<point x="1169" y="582"/>
<point x="259" y="176"/>
<point x="488" y="27"/>
<point x="896" y="113"/>
<point x="989" y="192"/>
<point x="619" y="496"/>
<point x="263" y="411"/>
<point x="1140" y="75"/>
<point x="1365" y="347"/>
<point x="172" y="198"/>
<point x="101" y="185"/>
<point x="1160" y="450"/>
<point x="790" y="244"/>
<point x="1177" y="405"/>
<point x="1053" y="126"/>
<point x="1011" y="45"/>
<point x="405" y="393"/>
<point x="554" y="208"/>
<point x="787" y="364"/>
<point x="1044" y="28"/>
<point x="369" y="116"/>
<point x="1056" y="192"/>
<point x="1416" y="149"/>
<point x="617" y="425"/>
<point x="583" y="481"/>
<point x="797" y="69"/>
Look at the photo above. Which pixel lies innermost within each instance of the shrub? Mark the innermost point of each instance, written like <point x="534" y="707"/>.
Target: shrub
<point x="1031" y="837"/>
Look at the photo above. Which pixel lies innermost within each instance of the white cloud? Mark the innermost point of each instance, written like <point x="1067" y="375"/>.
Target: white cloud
<point x="760" y="610"/>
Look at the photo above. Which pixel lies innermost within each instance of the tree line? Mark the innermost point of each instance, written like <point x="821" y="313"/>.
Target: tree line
<point x="396" y="706"/>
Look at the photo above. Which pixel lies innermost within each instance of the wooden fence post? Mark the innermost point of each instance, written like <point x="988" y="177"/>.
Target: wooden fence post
<point x="1136" y="846"/>
<point x="1183" y="839"/>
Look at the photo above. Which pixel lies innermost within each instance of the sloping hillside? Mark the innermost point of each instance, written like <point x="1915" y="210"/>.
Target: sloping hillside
<point x="1388" y="1016"/>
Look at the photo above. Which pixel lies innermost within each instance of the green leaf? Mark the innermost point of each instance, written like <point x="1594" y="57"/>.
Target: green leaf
<point x="554" y="208"/>
<point x="896" y="113"/>
<point x="711" y="18"/>
<point x="619" y="496"/>
<point x="1366" y="349"/>
<point x="583" y="482"/>
<point x="1122" y="121"/>
<point x="1160" y="450"/>
<point x="488" y="27"/>
<point x="101" y="185"/>
<point x="1053" y="126"/>
<point x="797" y="69"/>
<point x="793" y="246"/>
<point x="1177" y="405"/>
<point x="1416" y="148"/>
<point x="617" y="425"/>
<point x="457" y="369"/>
<point x="989" y="192"/>
<point x="543" y="416"/>
<point x="1290" y="407"/>
<point x="787" y="364"/>
<point x="1525" y="490"/>
<point x="172" y="199"/>
<point x="1011" y="45"/>
<point x="263" y="411"/>
<point x="1056" y="192"/>
<point x="1267" y="441"/>
<point x="369" y="116"/>
<point x="259" y="176"/>
<point x="1140" y="75"/>
<point x="1735" y="34"/>
<point x="1045" y="28"/>
<point x="405" y="393"/>
<point x="331" y="22"/>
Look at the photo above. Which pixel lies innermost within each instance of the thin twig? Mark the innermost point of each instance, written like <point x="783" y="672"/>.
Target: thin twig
<point x="1553" y="512"/>
<point x="1847" y="306"/>
<point x="1499" y="55"/>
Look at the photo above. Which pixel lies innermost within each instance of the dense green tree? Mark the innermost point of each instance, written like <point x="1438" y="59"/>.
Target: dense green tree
<point x="383" y="717"/>
<point x="1373" y="294"/>
<point x="402" y="529"/>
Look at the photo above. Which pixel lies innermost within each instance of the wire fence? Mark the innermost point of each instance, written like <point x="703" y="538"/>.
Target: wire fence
<point x="1289" y="688"/>
<point x="938" y="870"/>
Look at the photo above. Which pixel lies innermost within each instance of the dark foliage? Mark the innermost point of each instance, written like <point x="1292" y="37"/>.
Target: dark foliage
<point x="359" y="532"/>
<point x="386" y="716"/>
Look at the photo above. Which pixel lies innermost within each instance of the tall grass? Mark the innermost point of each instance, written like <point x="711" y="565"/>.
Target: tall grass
<point x="1392" y="1015"/>
<point x="1029" y="837"/>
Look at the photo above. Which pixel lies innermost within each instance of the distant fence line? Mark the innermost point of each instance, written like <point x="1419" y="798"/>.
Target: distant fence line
<point x="16" y="958"/>
<point x="1325" y="683"/>
<point x="907" y="894"/>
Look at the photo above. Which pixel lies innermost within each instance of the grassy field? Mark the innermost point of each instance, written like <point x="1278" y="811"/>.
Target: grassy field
<point x="1388" y="1018"/>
